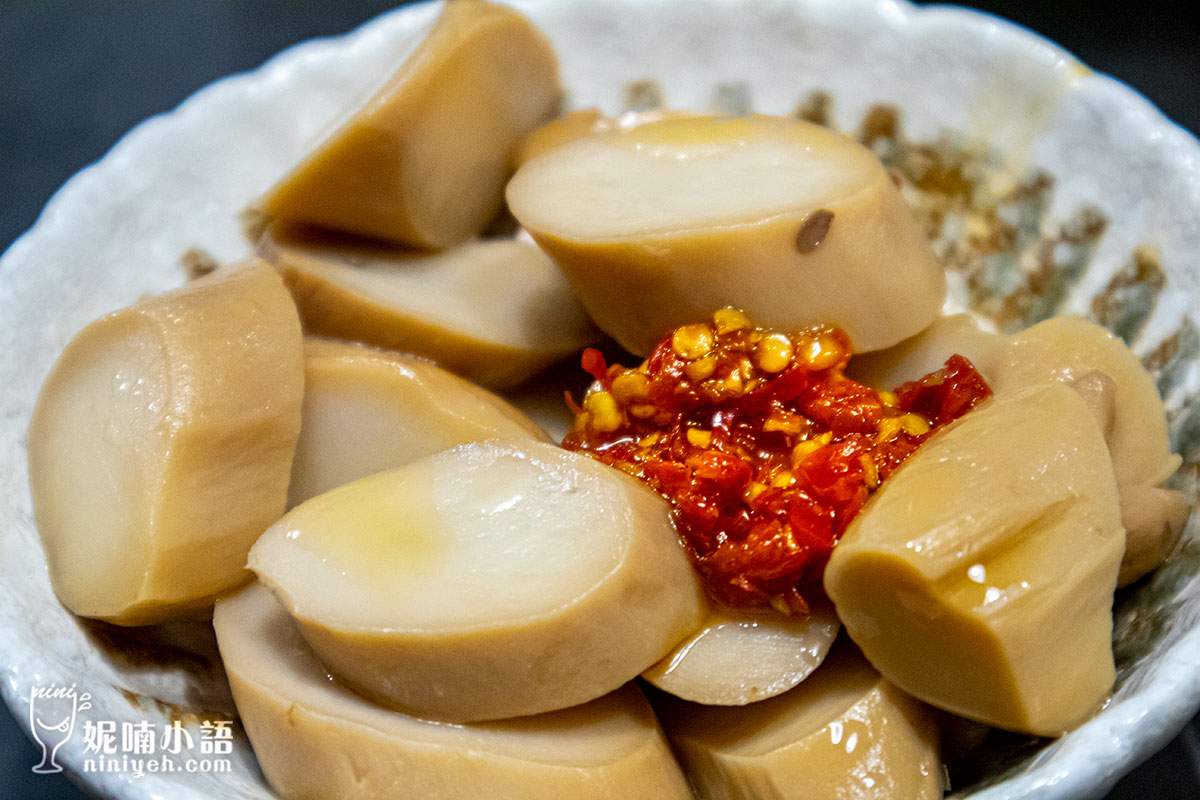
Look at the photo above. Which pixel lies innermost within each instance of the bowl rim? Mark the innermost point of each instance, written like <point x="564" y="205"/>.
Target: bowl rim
<point x="1158" y="709"/>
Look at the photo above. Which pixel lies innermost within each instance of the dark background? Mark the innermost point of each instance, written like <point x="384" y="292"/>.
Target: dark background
<point x="77" y="74"/>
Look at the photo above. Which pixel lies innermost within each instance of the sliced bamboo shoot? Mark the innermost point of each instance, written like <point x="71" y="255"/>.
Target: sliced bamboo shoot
<point x="980" y="577"/>
<point x="740" y="657"/>
<point x="583" y="123"/>
<point x="494" y="312"/>
<point x="486" y="582"/>
<point x="1066" y="348"/>
<point x="161" y="445"/>
<point x="660" y="224"/>
<point x="1060" y="349"/>
<point x="1116" y="387"/>
<point x="423" y="163"/>
<point x="843" y="733"/>
<point x="369" y="410"/>
<point x="315" y="738"/>
<point x="1154" y="520"/>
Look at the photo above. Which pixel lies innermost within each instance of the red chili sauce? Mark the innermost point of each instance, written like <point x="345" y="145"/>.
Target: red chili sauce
<point x="763" y="447"/>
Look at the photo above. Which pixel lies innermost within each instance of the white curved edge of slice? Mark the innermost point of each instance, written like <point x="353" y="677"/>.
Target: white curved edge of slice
<point x="368" y="410"/>
<point x="315" y="738"/>
<point x="756" y="168"/>
<point x="494" y="311"/>
<point x="660" y="224"/>
<point x="161" y="444"/>
<point x="488" y="581"/>
<point x="739" y="657"/>
<point x="844" y="732"/>
<point x="980" y="577"/>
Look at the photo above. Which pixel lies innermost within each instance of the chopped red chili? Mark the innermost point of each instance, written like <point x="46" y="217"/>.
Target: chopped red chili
<point x="764" y="448"/>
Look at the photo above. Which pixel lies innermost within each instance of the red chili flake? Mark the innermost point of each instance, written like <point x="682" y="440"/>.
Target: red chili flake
<point x="593" y="363"/>
<point x="947" y="394"/>
<point x="777" y="464"/>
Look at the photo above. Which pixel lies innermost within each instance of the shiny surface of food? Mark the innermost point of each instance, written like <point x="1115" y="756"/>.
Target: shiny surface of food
<point x="423" y="163"/>
<point x="980" y="578"/>
<point x="495" y="311"/>
<point x="1121" y="394"/>
<point x="314" y="737"/>
<point x="763" y="446"/>
<point x="489" y="581"/>
<point x="843" y="733"/>
<point x="368" y="410"/>
<point x="161" y="445"/>
<point x="1066" y="348"/>
<point x="584" y="122"/>
<point x="739" y="657"/>
<point x="1154" y="520"/>
<point x="1061" y="349"/>
<point x="660" y="224"/>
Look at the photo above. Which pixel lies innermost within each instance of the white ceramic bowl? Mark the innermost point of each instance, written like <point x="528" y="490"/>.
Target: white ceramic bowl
<point x="982" y="107"/>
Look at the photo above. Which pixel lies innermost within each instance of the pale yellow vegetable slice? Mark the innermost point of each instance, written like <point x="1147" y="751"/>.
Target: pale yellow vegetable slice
<point x="567" y="128"/>
<point x="739" y="657"/>
<point x="1060" y="349"/>
<point x="980" y="577"/>
<point x="1118" y="389"/>
<point x="161" y="445"/>
<point x="369" y="410"/>
<point x="843" y="733"/>
<point x="1066" y="348"/>
<point x="1154" y="520"/>
<point x="582" y="123"/>
<point x="423" y="163"/>
<point x="315" y="738"/>
<point x="494" y="312"/>
<point x="927" y="352"/>
<point x="660" y="224"/>
<point x="1153" y="517"/>
<point x="489" y="581"/>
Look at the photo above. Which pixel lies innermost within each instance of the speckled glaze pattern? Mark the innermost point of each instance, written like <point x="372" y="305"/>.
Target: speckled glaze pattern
<point x="1047" y="188"/>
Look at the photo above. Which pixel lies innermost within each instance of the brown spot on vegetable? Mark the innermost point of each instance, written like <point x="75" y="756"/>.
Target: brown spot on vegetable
<point x="813" y="231"/>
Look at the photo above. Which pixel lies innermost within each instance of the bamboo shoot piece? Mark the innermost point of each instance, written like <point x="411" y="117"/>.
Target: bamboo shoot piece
<point x="661" y="224"/>
<point x="1117" y="388"/>
<point x="368" y="410"/>
<point x="844" y="732"/>
<point x="423" y="163"/>
<point x="980" y="577"/>
<point x="494" y="312"/>
<point x="161" y="445"/>
<point x="739" y="657"/>
<point x="490" y="581"/>
<point x="316" y="738"/>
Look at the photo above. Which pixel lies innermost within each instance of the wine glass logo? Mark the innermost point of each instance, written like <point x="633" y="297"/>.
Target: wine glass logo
<point x="52" y="712"/>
